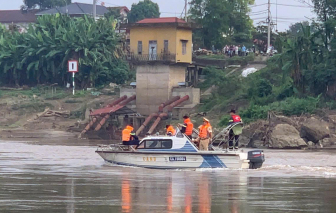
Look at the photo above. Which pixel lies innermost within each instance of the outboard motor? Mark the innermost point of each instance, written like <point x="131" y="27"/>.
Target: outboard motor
<point x="256" y="158"/>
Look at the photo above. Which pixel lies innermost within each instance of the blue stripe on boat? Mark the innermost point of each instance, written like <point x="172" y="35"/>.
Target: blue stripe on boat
<point x="212" y="161"/>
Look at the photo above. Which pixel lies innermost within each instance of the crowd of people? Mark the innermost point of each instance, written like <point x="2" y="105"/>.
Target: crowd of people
<point x="203" y="140"/>
<point x="234" y="50"/>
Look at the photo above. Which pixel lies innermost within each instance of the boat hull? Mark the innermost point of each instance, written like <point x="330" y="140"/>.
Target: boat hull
<point x="177" y="160"/>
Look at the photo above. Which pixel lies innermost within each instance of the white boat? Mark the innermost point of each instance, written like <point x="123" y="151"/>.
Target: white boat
<point x="178" y="152"/>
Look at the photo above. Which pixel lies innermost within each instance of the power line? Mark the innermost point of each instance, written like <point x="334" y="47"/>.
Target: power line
<point x="288" y="18"/>
<point x="292" y="5"/>
<point x="258" y="5"/>
<point x="99" y="1"/>
<point x="259" y="18"/>
<point x="261" y="11"/>
<point x="269" y="25"/>
<point x="305" y="2"/>
<point x="258" y="14"/>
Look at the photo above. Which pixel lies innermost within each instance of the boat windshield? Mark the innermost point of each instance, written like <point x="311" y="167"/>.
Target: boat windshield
<point x="156" y="144"/>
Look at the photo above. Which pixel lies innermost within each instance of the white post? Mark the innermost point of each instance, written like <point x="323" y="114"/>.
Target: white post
<point x="269" y="25"/>
<point x="94" y="9"/>
<point x="66" y="7"/>
<point x="186" y="10"/>
<point x="73" y="83"/>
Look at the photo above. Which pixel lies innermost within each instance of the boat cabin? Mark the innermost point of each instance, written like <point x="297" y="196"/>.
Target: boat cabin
<point x="178" y="142"/>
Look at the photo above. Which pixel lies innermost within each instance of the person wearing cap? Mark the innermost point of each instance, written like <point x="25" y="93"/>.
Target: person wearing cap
<point x="170" y="131"/>
<point x="234" y="119"/>
<point x="129" y="138"/>
<point x="187" y="127"/>
<point x="204" y="135"/>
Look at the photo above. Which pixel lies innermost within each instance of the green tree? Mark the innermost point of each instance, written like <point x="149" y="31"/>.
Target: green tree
<point x="326" y="13"/>
<point x="299" y="55"/>
<point x="144" y="9"/>
<point x="222" y="21"/>
<point x="44" y="4"/>
<point x="296" y="29"/>
<point x="113" y="12"/>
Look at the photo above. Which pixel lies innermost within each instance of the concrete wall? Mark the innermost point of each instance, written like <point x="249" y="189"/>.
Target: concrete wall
<point x="128" y="92"/>
<point x="194" y="100"/>
<point x="177" y="74"/>
<point x="194" y="95"/>
<point x="159" y="34"/>
<point x="186" y="35"/>
<point x="154" y="85"/>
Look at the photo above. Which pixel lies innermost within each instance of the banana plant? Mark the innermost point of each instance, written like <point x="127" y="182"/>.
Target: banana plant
<point x="40" y="55"/>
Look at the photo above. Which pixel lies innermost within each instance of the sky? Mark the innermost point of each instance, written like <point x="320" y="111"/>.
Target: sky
<point x="287" y="11"/>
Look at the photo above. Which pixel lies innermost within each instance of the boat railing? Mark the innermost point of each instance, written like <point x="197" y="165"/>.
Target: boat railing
<point x="223" y="137"/>
<point x="115" y="147"/>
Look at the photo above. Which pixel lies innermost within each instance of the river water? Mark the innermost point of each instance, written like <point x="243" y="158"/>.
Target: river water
<point x="37" y="177"/>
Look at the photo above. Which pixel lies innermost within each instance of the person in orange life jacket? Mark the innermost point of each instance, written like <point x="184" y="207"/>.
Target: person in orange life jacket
<point x="204" y="135"/>
<point x="170" y="131"/>
<point x="128" y="137"/>
<point x="187" y="127"/>
<point x="234" y="119"/>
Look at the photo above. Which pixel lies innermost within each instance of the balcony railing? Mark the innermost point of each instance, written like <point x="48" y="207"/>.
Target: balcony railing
<point x="162" y="57"/>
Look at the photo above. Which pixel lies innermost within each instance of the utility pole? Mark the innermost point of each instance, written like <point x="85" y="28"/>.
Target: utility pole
<point x="66" y="7"/>
<point x="94" y="9"/>
<point x="269" y="25"/>
<point x="186" y="10"/>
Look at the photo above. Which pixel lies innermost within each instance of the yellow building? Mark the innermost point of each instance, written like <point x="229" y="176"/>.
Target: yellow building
<point x="161" y="50"/>
<point x="161" y="39"/>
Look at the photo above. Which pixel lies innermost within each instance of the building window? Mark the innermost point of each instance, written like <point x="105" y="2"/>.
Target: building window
<point x="140" y="47"/>
<point x="184" y="47"/>
<point x="152" y="50"/>
<point x="166" y="46"/>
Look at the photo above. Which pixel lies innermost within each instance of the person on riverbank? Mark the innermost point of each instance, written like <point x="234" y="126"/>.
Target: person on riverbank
<point x="187" y="127"/>
<point x="234" y="133"/>
<point x="170" y="131"/>
<point x="205" y="135"/>
<point x="128" y="137"/>
<point x="243" y="50"/>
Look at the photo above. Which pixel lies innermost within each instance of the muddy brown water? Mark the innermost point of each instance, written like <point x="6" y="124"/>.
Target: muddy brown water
<point x="71" y="177"/>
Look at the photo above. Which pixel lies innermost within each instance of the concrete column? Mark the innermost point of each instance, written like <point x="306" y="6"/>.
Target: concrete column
<point x="196" y="76"/>
<point x="190" y="76"/>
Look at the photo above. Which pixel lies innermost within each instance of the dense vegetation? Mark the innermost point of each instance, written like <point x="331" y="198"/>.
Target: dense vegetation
<point x="300" y="80"/>
<point x="223" y="22"/>
<point x="40" y="56"/>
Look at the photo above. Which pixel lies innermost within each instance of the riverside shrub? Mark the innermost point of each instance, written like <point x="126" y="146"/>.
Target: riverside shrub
<point x="288" y="107"/>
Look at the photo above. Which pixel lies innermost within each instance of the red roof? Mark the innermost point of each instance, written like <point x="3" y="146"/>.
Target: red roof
<point x="161" y="20"/>
<point x="17" y="16"/>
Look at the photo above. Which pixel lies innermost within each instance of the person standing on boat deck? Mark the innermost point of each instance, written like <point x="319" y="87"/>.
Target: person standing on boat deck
<point x="187" y="127"/>
<point x="234" y="119"/>
<point x="128" y="137"/>
<point x="204" y="135"/>
<point x="170" y="130"/>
